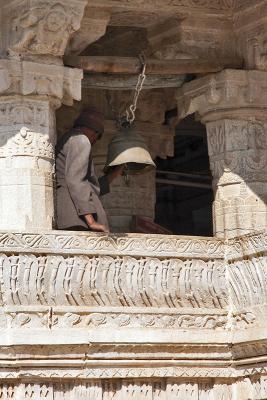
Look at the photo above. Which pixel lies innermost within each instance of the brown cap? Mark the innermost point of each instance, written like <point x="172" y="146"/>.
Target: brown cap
<point x="92" y="119"/>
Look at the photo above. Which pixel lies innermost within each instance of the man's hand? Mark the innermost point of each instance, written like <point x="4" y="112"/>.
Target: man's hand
<point x="115" y="172"/>
<point x="95" y="226"/>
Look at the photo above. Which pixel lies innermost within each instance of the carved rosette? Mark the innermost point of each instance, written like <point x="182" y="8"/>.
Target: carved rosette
<point x="233" y="106"/>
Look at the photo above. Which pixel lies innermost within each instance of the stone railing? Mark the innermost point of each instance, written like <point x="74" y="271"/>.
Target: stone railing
<point x="130" y="314"/>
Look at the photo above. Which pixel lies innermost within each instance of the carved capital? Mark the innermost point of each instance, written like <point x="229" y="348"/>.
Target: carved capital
<point x="228" y="94"/>
<point x="40" y="27"/>
<point x="27" y="78"/>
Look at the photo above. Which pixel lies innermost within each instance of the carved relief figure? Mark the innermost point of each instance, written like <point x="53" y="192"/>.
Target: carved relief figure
<point x="45" y="29"/>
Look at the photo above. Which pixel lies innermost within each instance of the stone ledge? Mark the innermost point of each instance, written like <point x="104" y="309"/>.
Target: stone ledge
<point x="74" y="243"/>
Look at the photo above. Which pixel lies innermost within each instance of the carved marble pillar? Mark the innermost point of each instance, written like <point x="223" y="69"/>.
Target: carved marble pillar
<point x="33" y="84"/>
<point x="139" y="196"/>
<point x="233" y="105"/>
<point x="30" y="93"/>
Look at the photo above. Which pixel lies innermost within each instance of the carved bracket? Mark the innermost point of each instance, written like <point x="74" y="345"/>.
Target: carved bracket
<point x="225" y="94"/>
<point x="39" y="27"/>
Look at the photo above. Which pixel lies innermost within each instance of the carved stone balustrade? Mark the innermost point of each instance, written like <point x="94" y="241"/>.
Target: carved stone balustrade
<point x="139" y="317"/>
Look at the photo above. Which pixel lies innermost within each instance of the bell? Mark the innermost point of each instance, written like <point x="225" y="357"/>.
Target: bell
<point x="130" y="149"/>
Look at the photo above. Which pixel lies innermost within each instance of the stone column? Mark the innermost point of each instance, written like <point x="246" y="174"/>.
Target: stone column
<point x="233" y="105"/>
<point x="33" y="83"/>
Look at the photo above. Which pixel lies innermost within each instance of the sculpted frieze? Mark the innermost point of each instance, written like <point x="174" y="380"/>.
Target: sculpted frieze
<point x="123" y="283"/>
<point x="238" y="147"/>
<point x="50" y="284"/>
<point x="27" y="143"/>
<point x="96" y="282"/>
<point x="131" y="244"/>
<point x="136" y="389"/>
<point x="44" y="27"/>
<point x="246" y="246"/>
<point x="25" y="128"/>
<point x="133" y="389"/>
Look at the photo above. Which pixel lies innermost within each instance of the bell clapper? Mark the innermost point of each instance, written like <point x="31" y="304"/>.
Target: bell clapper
<point x="126" y="176"/>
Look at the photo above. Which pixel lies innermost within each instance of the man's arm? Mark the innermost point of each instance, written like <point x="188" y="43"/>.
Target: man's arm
<point x="106" y="180"/>
<point x="93" y="225"/>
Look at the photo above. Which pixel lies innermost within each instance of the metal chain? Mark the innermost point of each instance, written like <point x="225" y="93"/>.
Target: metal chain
<point x="130" y="113"/>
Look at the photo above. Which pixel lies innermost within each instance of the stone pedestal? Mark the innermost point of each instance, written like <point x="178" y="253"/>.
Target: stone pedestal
<point x="233" y="105"/>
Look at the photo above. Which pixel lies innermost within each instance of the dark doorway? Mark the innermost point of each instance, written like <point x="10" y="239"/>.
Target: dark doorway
<point x="184" y="191"/>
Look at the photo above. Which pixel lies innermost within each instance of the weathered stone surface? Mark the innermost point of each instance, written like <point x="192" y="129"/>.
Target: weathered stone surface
<point x="233" y="105"/>
<point x="30" y="94"/>
<point x="122" y="294"/>
<point x="93" y="26"/>
<point x="189" y="36"/>
<point x="39" y="27"/>
<point x="132" y="317"/>
<point x="26" y="164"/>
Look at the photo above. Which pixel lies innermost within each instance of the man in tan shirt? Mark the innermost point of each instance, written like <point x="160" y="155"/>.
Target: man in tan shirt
<point x="79" y="205"/>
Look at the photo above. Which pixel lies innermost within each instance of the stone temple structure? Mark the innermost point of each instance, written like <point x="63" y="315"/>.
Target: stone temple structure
<point x="131" y="316"/>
